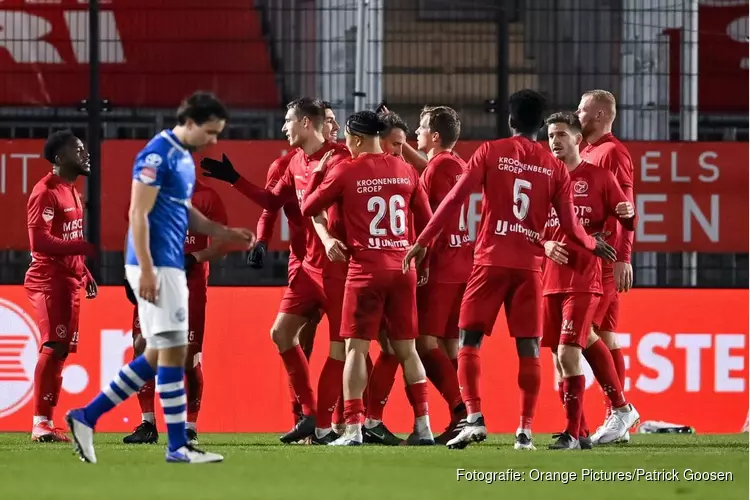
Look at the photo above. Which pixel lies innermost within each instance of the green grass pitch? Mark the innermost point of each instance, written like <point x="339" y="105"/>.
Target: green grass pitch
<point x="258" y="466"/>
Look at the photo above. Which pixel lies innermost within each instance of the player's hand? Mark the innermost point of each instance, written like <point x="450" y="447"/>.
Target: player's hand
<point x="625" y="210"/>
<point x="129" y="293"/>
<point x="239" y="235"/>
<point x="555" y="251"/>
<point x="336" y="250"/>
<point x="148" y="286"/>
<point x="416" y="253"/>
<point x="604" y="250"/>
<point x="382" y="108"/>
<point x="623" y="276"/>
<point x="190" y="261"/>
<point x="222" y="170"/>
<point x="323" y="163"/>
<point x="257" y="256"/>
<point x="423" y="276"/>
<point x="92" y="289"/>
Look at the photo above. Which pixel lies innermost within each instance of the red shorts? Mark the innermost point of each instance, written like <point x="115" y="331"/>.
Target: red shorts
<point x="608" y="310"/>
<point x="56" y="311"/>
<point x="438" y="308"/>
<point x="389" y="296"/>
<point x="567" y="318"/>
<point x="491" y="287"/>
<point x="196" y="323"/>
<point x="309" y="292"/>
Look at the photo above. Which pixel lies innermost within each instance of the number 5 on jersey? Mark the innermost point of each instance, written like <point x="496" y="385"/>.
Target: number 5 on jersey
<point x="520" y="199"/>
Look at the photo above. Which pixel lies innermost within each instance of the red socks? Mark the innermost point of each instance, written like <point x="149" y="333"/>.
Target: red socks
<point x="146" y="396"/>
<point x="194" y="392"/>
<point x="619" y="361"/>
<point x="47" y="382"/>
<point x="354" y="411"/>
<point x="381" y="381"/>
<point x="440" y="371"/>
<point x="469" y="371"/>
<point x="529" y="382"/>
<point x="298" y="370"/>
<point x="418" y="398"/>
<point x="329" y="389"/>
<point x="574" y="388"/>
<point x="603" y="366"/>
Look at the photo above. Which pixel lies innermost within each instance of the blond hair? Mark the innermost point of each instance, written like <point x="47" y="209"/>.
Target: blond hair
<point x="604" y="98"/>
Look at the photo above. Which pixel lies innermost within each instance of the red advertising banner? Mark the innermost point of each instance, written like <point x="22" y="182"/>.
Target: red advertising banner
<point x="690" y="196"/>
<point x="685" y="351"/>
<point x="153" y="53"/>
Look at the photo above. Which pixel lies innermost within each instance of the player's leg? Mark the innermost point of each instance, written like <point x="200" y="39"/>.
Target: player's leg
<point x="146" y="431"/>
<point x="524" y="310"/>
<point x="306" y="337"/>
<point x="193" y="366"/>
<point x="52" y="311"/>
<point x="401" y="315"/>
<point x="605" y="325"/>
<point x="360" y="320"/>
<point x="379" y="385"/>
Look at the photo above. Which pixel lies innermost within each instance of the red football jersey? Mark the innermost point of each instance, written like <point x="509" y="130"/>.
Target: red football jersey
<point x="595" y="195"/>
<point x="377" y="193"/>
<point x="452" y="254"/>
<point x="207" y="202"/>
<point x="519" y="180"/>
<point x="294" y="181"/>
<point x="55" y="222"/>
<point x="610" y="153"/>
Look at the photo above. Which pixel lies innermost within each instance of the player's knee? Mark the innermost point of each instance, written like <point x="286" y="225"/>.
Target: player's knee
<point x="468" y="338"/>
<point x="450" y="346"/>
<point x="139" y="345"/>
<point x="558" y="367"/>
<point x="57" y="349"/>
<point x="281" y="337"/>
<point x="404" y="349"/>
<point x="609" y="339"/>
<point x="592" y="338"/>
<point x="358" y="347"/>
<point x="426" y="343"/>
<point x="569" y="358"/>
<point x="337" y="351"/>
<point x="527" y="348"/>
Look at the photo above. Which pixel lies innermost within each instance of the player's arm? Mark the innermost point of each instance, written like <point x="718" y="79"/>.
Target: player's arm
<point x="618" y="204"/>
<point x="216" y="247"/>
<point x="414" y="158"/>
<point x="420" y="208"/>
<point x="336" y="251"/>
<point x="41" y="239"/>
<point x="322" y="190"/>
<point x="621" y="166"/>
<point x="224" y="171"/>
<point x="142" y="200"/>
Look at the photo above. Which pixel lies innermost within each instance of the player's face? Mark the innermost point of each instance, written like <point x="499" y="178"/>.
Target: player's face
<point x="589" y="114"/>
<point x="330" y="126"/>
<point x="207" y="134"/>
<point x="76" y="158"/>
<point x="425" y="138"/>
<point x="295" y="128"/>
<point x="393" y="143"/>
<point x="563" y="142"/>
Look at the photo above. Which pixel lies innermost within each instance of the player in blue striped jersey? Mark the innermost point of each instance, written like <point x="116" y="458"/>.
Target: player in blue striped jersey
<point x="160" y="213"/>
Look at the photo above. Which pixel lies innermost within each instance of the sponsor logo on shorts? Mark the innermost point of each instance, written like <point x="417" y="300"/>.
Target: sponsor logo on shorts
<point x="20" y="342"/>
<point x="179" y="315"/>
<point x="48" y="214"/>
<point x="61" y="331"/>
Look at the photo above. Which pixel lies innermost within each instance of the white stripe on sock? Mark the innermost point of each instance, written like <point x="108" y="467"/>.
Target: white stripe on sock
<point x="119" y="382"/>
<point x="175" y="418"/>
<point x="170" y="387"/>
<point x="112" y="395"/>
<point x="171" y="402"/>
<point x="133" y="376"/>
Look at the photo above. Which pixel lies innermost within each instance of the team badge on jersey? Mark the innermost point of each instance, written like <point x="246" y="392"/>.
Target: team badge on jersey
<point x="581" y="187"/>
<point x="48" y="214"/>
<point x="153" y="160"/>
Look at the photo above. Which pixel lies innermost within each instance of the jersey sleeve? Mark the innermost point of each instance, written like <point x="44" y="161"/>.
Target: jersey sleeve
<point x="471" y="178"/>
<point x="614" y="195"/>
<point x="562" y="200"/>
<point x="437" y="183"/>
<point x="323" y="190"/>
<point x="40" y="211"/>
<point x="621" y="165"/>
<point x="420" y="206"/>
<point x="150" y="168"/>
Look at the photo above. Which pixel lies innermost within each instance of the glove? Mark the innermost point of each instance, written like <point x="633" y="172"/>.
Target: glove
<point x="129" y="293"/>
<point x="257" y="255"/>
<point x="190" y="261"/>
<point x="222" y="170"/>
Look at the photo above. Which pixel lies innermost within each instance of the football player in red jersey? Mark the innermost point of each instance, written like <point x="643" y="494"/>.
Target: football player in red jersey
<point x="377" y="193"/>
<point x="597" y="112"/>
<point x="319" y="283"/>
<point x="199" y="251"/>
<point x="449" y="264"/>
<point x="57" y="272"/>
<point x="520" y="179"/>
<point x="573" y="285"/>
<point x="393" y="138"/>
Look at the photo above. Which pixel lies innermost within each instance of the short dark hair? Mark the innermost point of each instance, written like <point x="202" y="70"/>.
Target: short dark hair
<point x="325" y="104"/>
<point x="312" y="109"/>
<point x="55" y="142"/>
<point x="444" y="121"/>
<point x="365" y="123"/>
<point x="526" y="111"/>
<point x="391" y="121"/>
<point x="201" y="107"/>
<point x="569" y="119"/>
